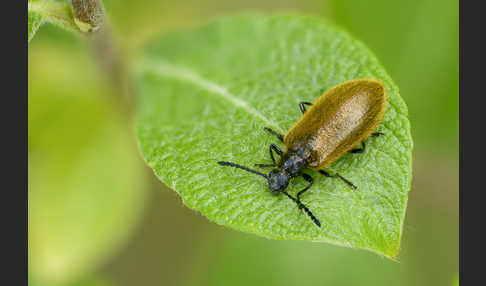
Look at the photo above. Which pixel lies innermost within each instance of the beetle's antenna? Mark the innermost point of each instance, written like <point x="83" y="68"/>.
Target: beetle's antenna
<point x="302" y="206"/>
<point x="223" y="163"/>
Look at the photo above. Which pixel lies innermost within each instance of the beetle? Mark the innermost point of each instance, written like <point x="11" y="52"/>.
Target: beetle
<point x="339" y="120"/>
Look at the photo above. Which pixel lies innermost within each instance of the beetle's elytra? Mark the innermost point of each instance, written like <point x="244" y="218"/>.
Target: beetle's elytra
<point x="341" y="118"/>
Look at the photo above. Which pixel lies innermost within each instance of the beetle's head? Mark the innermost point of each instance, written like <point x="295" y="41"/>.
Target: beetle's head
<point x="278" y="180"/>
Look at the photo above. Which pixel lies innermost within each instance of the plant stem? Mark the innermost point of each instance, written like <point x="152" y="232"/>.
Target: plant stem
<point x="90" y="17"/>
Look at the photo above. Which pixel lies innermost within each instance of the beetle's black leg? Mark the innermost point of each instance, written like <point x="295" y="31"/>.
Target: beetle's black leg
<point x="272" y="148"/>
<point x="279" y="136"/>
<point x="308" y="179"/>
<point x="275" y="148"/>
<point x="303" y="207"/>
<point x="337" y="175"/>
<point x="302" y="105"/>
<point x="359" y="150"/>
<point x="363" y="145"/>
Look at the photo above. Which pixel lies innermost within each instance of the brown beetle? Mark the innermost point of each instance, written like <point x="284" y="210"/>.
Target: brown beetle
<point x="341" y="118"/>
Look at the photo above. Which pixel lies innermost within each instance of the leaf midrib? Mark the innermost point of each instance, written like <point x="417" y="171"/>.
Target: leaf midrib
<point x="168" y="70"/>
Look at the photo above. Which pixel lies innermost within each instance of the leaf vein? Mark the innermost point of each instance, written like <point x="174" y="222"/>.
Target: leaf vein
<point x="169" y="70"/>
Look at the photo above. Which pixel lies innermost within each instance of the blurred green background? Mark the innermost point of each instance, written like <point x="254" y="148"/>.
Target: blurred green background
<point x="97" y="216"/>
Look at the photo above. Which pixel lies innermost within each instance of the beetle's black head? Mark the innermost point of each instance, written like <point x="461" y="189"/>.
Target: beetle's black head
<point x="278" y="180"/>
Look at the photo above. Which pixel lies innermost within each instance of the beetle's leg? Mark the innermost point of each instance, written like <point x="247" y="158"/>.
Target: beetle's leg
<point x="275" y="148"/>
<point x="303" y="207"/>
<point x="359" y="150"/>
<point x="279" y="136"/>
<point x="272" y="148"/>
<point x="302" y="105"/>
<point x="308" y="179"/>
<point x="337" y="175"/>
<point x="363" y="145"/>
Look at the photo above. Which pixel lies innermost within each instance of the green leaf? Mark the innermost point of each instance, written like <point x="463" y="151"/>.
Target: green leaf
<point x="55" y="12"/>
<point x="205" y="95"/>
<point x="456" y="280"/>
<point x="84" y="281"/>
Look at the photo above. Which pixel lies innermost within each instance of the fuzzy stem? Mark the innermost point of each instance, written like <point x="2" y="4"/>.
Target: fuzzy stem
<point x="90" y="17"/>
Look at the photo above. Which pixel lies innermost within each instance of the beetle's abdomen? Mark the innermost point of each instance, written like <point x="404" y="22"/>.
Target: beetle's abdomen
<point x="340" y="119"/>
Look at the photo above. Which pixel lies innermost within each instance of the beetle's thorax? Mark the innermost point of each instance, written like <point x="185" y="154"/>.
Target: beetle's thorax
<point x="293" y="162"/>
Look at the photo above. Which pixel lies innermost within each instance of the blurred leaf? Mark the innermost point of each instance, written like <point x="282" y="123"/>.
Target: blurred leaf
<point x="291" y="263"/>
<point x="205" y="95"/>
<point x="85" y="178"/>
<point x="418" y="43"/>
<point x="92" y="281"/>
<point x="55" y="12"/>
<point x="456" y="280"/>
<point x="86" y="281"/>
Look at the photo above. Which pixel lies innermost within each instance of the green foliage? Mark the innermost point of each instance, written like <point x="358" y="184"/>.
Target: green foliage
<point x="85" y="186"/>
<point x="456" y="280"/>
<point x="205" y="95"/>
<point x="85" y="281"/>
<point x="55" y="12"/>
